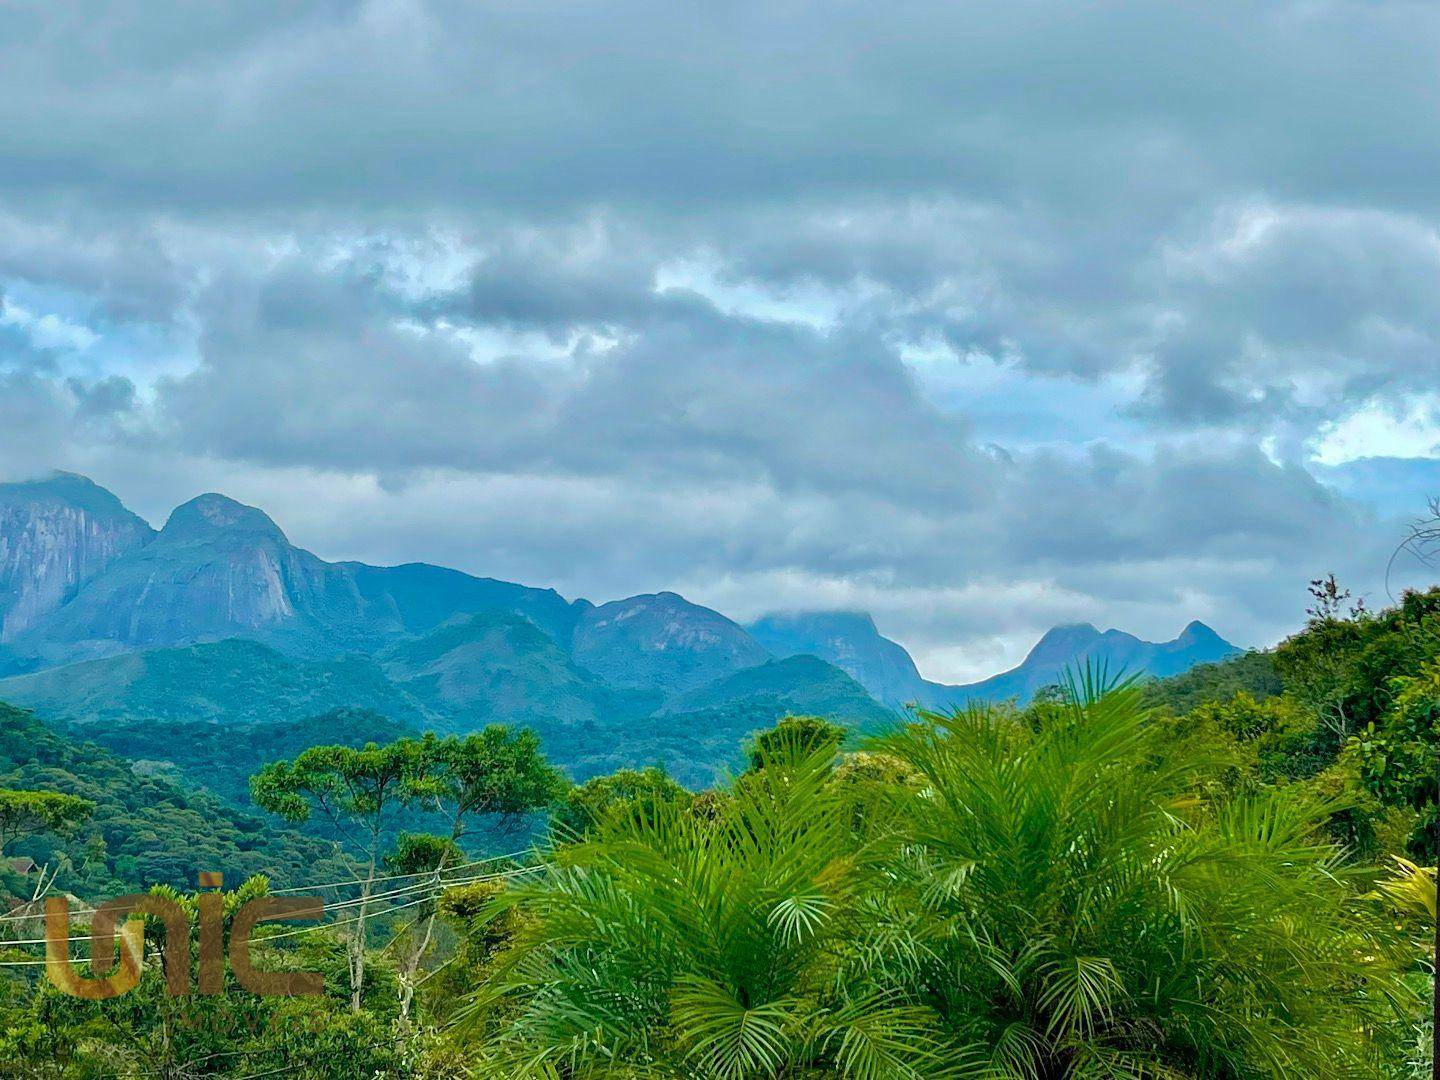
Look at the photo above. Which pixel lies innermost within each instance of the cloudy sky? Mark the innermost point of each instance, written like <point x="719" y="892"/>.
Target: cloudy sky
<point x="980" y="316"/>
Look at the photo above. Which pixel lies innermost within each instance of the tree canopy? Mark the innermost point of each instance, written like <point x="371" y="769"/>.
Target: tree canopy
<point x="25" y="813"/>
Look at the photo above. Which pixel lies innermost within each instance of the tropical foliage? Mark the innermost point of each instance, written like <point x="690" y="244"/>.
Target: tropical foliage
<point x="1228" y="874"/>
<point x="1055" y="897"/>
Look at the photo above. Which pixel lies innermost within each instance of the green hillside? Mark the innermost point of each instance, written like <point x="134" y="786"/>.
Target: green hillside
<point x="232" y="681"/>
<point x="700" y="735"/>
<point x="797" y="684"/>
<point x="500" y="667"/>
<point x="1252" y="673"/>
<point x="222" y="757"/>
<point x="146" y="829"/>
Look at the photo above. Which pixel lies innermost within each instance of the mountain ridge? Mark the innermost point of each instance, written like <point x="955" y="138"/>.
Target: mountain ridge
<point x="218" y="617"/>
<point x="852" y="642"/>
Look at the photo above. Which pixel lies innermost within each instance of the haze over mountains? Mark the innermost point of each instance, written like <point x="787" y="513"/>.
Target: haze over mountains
<point x="218" y="617"/>
<point x="849" y="640"/>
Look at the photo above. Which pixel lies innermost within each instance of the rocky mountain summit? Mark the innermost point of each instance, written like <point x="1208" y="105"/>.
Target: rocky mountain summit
<point x="56" y="535"/>
<point x="219" y="617"/>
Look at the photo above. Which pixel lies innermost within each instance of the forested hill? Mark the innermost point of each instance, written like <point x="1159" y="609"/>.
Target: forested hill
<point x="145" y="829"/>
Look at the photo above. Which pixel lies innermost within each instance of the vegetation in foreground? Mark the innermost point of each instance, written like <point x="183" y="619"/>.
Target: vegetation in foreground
<point x="1224" y="875"/>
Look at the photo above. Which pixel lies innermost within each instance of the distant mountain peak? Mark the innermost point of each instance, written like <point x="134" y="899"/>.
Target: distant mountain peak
<point x="70" y="488"/>
<point x="219" y="514"/>
<point x="850" y="641"/>
<point x="1075" y="645"/>
<point x="1064" y="641"/>
<point x="1195" y="630"/>
<point x="57" y="534"/>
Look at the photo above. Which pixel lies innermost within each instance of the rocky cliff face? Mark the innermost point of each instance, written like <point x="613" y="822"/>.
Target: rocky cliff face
<point x="850" y="641"/>
<point x="218" y="569"/>
<point x="662" y="639"/>
<point x="81" y="577"/>
<point x="55" y="536"/>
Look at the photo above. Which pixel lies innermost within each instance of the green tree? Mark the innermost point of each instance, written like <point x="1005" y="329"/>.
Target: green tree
<point x="361" y="792"/>
<point x="1065" y="900"/>
<point x="28" y="813"/>
<point x="676" y="944"/>
<point x="1399" y="758"/>
<point x="584" y="805"/>
<point x="1342" y="669"/>
<point x="792" y="734"/>
<point x="494" y="774"/>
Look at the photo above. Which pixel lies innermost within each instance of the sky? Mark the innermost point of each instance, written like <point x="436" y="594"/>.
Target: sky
<point x="981" y="317"/>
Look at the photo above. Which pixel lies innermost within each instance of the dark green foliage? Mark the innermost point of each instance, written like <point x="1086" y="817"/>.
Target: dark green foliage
<point x="354" y="786"/>
<point x="1399" y="759"/>
<point x="1277" y="734"/>
<point x="497" y="772"/>
<point x="1344" y="706"/>
<point x="28" y="813"/>
<point x="630" y="790"/>
<point x="1343" y="669"/>
<point x="231" y="682"/>
<point x="1250" y="673"/>
<point x="419" y="853"/>
<point x="222" y="758"/>
<point x="145" y="830"/>
<point x="796" y="735"/>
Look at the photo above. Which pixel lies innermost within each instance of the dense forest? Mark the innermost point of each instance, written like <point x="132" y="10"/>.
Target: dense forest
<point x="1228" y="873"/>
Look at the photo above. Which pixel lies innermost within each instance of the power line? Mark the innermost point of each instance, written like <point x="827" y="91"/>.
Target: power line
<point x="24" y="917"/>
<point x="380" y="898"/>
<point x="388" y="911"/>
<point x="397" y="877"/>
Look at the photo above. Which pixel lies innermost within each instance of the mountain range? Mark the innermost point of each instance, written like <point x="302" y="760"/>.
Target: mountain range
<point x="850" y="641"/>
<point x="217" y="617"/>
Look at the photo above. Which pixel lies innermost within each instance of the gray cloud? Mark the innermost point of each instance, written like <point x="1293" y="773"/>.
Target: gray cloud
<point x="981" y="316"/>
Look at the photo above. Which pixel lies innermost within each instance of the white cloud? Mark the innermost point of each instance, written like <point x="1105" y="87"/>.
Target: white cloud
<point x="47" y="332"/>
<point x="1409" y="428"/>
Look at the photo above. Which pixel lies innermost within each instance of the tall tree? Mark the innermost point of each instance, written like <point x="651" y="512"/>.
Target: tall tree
<point x="494" y="774"/>
<point x="361" y="793"/>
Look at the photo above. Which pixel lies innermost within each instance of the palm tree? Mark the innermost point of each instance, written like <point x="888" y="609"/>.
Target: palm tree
<point x="1064" y="897"/>
<point x="995" y="894"/>
<point x="707" y="941"/>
